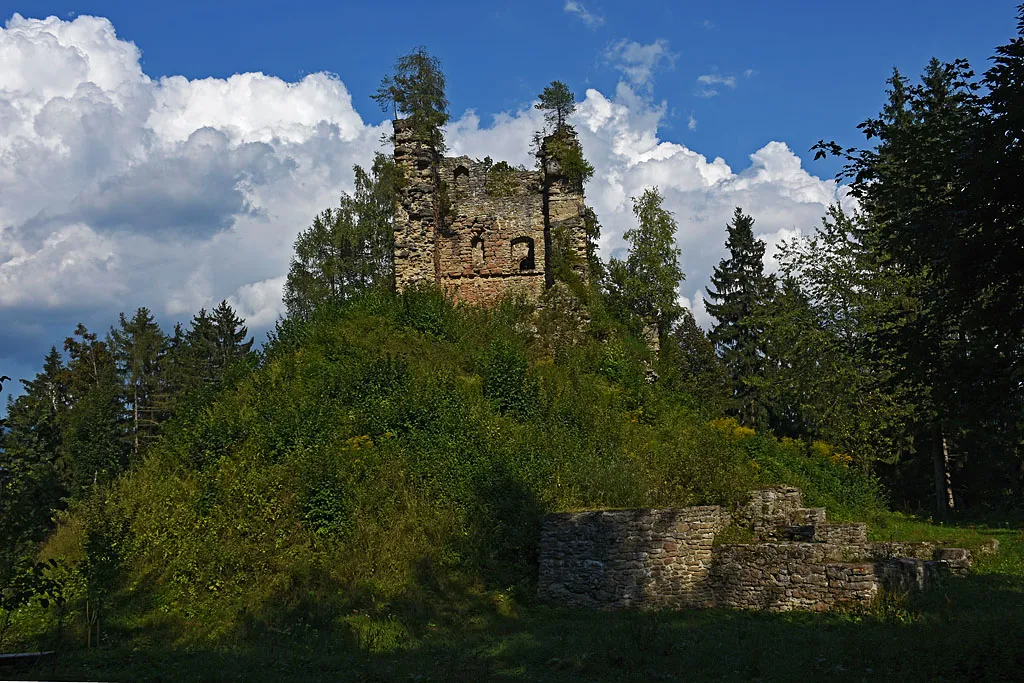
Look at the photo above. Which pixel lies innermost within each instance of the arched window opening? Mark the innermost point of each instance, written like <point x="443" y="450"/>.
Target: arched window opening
<point x="478" y="252"/>
<point x="460" y="181"/>
<point x="522" y="253"/>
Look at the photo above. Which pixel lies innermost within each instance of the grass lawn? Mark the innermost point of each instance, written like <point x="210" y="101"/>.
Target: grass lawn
<point x="968" y="629"/>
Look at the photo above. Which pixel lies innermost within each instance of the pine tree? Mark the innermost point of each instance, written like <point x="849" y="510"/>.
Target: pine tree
<point x="738" y="302"/>
<point x="558" y="103"/>
<point x="416" y="90"/>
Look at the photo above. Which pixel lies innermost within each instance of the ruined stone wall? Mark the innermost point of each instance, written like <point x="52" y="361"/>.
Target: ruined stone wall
<point x="493" y="242"/>
<point x="564" y="211"/>
<point x="669" y="558"/>
<point x="414" y="214"/>
<point x="778" y="506"/>
<point x="488" y="239"/>
<point x="790" y="576"/>
<point x="630" y="558"/>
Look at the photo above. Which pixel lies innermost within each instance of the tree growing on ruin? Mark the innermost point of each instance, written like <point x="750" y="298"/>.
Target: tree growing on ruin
<point x="416" y="90"/>
<point x="558" y="103"/>
<point x="562" y="144"/>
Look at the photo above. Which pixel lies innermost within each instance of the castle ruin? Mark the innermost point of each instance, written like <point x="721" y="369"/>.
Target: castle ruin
<point x="480" y="231"/>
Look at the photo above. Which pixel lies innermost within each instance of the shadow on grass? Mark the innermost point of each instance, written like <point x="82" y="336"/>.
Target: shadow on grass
<point x="968" y="629"/>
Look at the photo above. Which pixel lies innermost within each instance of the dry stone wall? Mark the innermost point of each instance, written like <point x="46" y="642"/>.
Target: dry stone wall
<point x="670" y="558"/>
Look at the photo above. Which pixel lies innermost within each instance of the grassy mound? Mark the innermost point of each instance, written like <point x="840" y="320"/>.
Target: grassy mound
<point x="388" y="456"/>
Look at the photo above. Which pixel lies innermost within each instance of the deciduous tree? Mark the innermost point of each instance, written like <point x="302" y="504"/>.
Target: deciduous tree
<point x="646" y="284"/>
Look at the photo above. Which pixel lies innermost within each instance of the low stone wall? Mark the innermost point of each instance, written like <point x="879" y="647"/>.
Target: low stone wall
<point x="789" y="576"/>
<point x="627" y="558"/>
<point x="669" y="558"/>
<point x="956" y="560"/>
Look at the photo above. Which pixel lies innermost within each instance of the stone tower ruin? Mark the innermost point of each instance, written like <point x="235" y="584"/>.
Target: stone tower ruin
<point x="481" y="231"/>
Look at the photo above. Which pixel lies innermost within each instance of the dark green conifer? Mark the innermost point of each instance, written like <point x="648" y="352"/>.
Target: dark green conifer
<point x="738" y="300"/>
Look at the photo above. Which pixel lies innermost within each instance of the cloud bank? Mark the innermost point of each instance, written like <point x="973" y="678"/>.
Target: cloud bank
<point x="118" y="190"/>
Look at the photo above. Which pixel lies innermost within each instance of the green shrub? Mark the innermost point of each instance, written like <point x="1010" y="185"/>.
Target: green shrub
<point x="506" y="378"/>
<point x="428" y="310"/>
<point x="502" y="180"/>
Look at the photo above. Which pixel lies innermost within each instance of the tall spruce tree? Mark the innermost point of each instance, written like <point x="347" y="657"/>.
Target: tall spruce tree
<point x="174" y="369"/>
<point x="30" y="442"/>
<point x="93" y="449"/>
<point x="991" y="253"/>
<point x="231" y="345"/>
<point x="739" y="302"/>
<point x="201" y="339"/>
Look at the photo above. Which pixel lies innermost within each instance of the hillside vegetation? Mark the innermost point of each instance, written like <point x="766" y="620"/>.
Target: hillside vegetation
<point x="397" y="445"/>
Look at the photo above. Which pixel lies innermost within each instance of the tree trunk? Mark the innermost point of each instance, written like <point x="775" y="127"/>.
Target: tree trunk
<point x="943" y="483"/>
<point x="135" y="408"/>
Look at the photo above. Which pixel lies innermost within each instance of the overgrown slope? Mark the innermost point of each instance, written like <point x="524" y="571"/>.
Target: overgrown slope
<point x="384" y="452"/>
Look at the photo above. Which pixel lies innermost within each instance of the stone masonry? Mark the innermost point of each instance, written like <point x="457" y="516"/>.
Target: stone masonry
<point x="481" y="244"/>
<point x="630" y="558"/>
<point x="670" y="558"/>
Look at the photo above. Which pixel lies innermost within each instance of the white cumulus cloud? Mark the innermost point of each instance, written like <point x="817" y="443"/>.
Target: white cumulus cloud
<point x="121" y="190"/>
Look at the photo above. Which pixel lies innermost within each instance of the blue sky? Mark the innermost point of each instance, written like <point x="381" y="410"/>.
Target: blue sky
<point x="167" y="154"/>
<point x="818" y="66"/>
